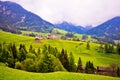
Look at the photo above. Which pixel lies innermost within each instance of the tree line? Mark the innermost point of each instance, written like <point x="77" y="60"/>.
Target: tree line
<point x="46" y="59"/>
<point x="109" y="48"/>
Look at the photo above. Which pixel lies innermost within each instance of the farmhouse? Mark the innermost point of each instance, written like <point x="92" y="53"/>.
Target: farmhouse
<point x="52" y="36"/>
<point x="103" y="69"/>
<point x="40" y="37"/>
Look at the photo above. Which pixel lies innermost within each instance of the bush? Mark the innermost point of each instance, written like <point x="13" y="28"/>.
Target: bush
<point x="31" y="56"/>
<point x="29" y="65"/>
<point x="18" y="65"/>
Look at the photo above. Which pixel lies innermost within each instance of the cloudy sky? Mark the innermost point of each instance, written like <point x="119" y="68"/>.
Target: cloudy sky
<point x="79" y="12"/>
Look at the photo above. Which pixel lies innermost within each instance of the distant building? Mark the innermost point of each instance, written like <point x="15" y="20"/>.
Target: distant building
<point x="103" y="69"/>
<point x="40" y="37"/>
<point x="52" y="36"/>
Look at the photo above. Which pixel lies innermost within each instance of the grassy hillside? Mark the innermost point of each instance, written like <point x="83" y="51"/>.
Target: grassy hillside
<point x="13" y="74"/>
<point x="9" y="37"/>
<point x="99" y="59"/>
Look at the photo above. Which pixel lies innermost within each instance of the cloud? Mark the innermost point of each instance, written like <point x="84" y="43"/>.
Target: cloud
<point x="79" y="12"/>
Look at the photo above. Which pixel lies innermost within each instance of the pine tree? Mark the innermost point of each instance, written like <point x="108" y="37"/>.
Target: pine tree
<point x="14" y="51"/>
<point x="106" y="48"/>
<point x="72" y="66"/>
<point x="118" y="72"/>
<point x="79" y="65"/>
<point x="46" y="64"/>
<point x="1" y="47"/>
<point x="31" y="48"/>
<point x="118" y="48"/>
<point x="22" y="52"/>
<point x="66" y="61"/>
<point x="88" y="46"/>
<point x="23" y="46"/>
<point x="109" y="48"/>
<point x="89" y="68"/>
<point x="101" y="48"/>
<point x="5" y="54"/>
<point x="11" y="61"/>
<point x="38" y="52"/>
<point x="112" y="49"/>
<point x="56" y="52"/>
<point x="13" y="55"/>
<point x="63" y="57"/>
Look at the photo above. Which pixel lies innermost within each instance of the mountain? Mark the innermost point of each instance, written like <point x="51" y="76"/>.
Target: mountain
<point x="109" y="29"/>
<point x="15" y="16"/>
<point x="70" y="27"/>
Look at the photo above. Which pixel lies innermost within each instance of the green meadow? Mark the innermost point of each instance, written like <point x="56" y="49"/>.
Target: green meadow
<point x="13" y="74"/>
<point x="76" y="47"/>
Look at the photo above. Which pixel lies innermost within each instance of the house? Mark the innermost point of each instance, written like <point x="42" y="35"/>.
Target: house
<point x="39" y="37"/>
<point x="103" y="69"/>
<point x="52" y="36"/>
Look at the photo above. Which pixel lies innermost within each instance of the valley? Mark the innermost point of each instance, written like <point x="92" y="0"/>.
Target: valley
<point x="99" y="59"/>
<point x="32" y="48"/>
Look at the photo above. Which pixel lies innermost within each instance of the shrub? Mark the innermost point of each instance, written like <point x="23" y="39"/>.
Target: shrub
<point x="31" y="56"/>
<point x="29" y="65"/>
<point x="18" y="65"/>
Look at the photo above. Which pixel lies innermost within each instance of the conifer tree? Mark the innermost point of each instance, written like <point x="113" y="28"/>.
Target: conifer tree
<point x="56" y="52"/>
<point x="46" y="64"/>
<point x="23" y="46"/>
<point x="63" y="57"/>
<point x="109" y="48"/>
<point x="14" y="51"/>
<point x="118" y="71"/>
<point x="66" y="61"/>
<point x="88" y="46"/>
<point x="38" y="52"/>
<point x="118" y="48"/>
<point x="106" y="48"/>
<point x="4" y="55"/>
<point x="72" y="66"/>
<point x="89" y="68"/>
<point x="1" y="47"/>
<point x="79" y="65"/>
<point x="22" y="52"/>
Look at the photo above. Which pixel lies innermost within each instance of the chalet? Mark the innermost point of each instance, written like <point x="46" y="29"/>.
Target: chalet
<point x="52" y="36"/>
<point x="103" y="69"/>
<point x="37" y="38"/>
<point x="40" y="37"/>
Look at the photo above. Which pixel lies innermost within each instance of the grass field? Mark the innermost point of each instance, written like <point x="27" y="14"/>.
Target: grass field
<point x="13" y="74"/>
<point x="99" y="59"/>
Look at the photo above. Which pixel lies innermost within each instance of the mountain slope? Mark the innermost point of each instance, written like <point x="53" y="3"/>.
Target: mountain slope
<point x="70" y="27"/>
<point x="13" y="15"/>
<point x="109" y="29"/>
